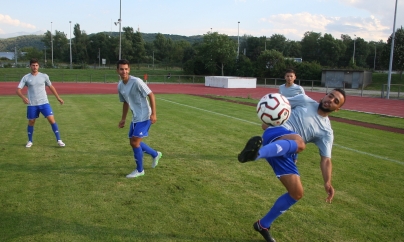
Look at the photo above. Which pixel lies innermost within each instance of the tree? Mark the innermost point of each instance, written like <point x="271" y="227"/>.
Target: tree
<point x="398" y="52"/>
<point x="293" y="49"/>
<point x="330" y="50"/>
<point x="217" y="50"/>
<point x="310" y="46"/>
<point x="60" y="45"/>
<point x="134" y="50"/>
<point x="254" y="46"/>
<point x="79" y="45"/>
<point x="163" y="47"/>
<point x="270" y="63"/>
<point x="32" y="52"/>
<point x="277" y="42"/>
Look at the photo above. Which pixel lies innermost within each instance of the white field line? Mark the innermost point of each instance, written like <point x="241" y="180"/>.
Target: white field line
<point x="255" y="123"/>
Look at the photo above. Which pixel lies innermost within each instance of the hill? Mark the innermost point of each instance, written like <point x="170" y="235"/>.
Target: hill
<point x="8" y="44"/>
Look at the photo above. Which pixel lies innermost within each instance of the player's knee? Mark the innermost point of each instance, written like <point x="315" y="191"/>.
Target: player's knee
<point x="297" y="195"/>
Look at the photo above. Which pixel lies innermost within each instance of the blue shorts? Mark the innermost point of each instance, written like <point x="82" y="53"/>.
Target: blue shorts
<point x="33" y="111"/>
<point x="140" y="129"/>
<point x="283" y="165"/>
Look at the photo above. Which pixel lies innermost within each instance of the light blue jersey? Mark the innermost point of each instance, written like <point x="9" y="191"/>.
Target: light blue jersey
<point x="291" y="91"/>
<point x="135" y="93"/>
<point x="313" y="128"/>
<point x="36" y="88"/>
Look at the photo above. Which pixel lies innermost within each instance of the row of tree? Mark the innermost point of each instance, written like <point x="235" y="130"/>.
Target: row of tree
<point x="220" y="54"/>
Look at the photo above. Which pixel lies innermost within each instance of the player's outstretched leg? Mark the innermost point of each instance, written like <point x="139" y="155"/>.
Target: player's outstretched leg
<point x="250" y="151"/>
<point x="263" y="231"/>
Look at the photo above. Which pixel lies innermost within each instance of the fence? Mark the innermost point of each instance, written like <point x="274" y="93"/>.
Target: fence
<point x="396" y="88"/>
<point x="110" y="78"/>
<point x="308" y="85"/>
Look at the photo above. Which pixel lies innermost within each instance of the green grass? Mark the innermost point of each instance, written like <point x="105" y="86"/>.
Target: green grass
<point x="199" y="192"/>
<point x="379" y="79"/>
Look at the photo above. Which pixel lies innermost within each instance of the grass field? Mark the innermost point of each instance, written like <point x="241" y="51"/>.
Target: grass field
<point x="199" y="192"/>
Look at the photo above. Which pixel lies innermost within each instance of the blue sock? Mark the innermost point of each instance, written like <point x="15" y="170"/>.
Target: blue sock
<point x="138" y="154"/>
<point x="30" y="130"/>
<point x="56" y="131"/>
<point x="148" y="150"/>
<point x="283" y="203"/>
<point x="277" y="148"/>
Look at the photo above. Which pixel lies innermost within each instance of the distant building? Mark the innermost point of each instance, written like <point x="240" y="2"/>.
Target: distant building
<point x="346" y="78"/>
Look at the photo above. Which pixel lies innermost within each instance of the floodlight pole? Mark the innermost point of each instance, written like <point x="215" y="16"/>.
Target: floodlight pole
<point x="120" y="20"/>
<point x="238" y="39"/>
<point x="51" y="44"/>
<point x="70" y="44"/>
<point x="353" y="58"/>
<point x="374" y="60"/>
<point x="391" y="53"/>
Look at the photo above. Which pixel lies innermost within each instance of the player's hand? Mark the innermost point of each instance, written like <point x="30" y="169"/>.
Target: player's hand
<point x="61" y="101"/>
<point x="330" y="191"/>
<point x="153" y="118"/>
<point x="121" y="124"/>
<point x="25" y="100"/>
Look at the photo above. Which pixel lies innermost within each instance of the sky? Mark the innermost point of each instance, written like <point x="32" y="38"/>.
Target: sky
<point x="371" y="20"/>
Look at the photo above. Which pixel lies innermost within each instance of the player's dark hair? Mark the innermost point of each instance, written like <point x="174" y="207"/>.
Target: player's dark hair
<point x="122" y="62"/>
<point x="33" y="60"/>
<point x="290" y="71"/>
<point x="342" y="92"/>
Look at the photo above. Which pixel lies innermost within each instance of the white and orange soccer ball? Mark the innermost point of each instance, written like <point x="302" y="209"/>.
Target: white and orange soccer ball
<point x="273" y="109"/>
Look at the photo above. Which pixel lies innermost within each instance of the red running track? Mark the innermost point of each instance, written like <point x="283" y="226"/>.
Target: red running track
<point x="391" y="107"/>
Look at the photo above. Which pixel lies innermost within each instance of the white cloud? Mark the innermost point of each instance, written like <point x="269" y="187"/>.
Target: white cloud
<point x="293" y="26"/>
<point x="300" y="20"/>
<point x="6" y="19"/>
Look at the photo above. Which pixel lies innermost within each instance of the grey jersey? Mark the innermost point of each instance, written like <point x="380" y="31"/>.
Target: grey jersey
<point x="291" y="91"/>
<point x="135" y="92"/>
<point x="313" y="128"/>
<point x="36" y="88"/>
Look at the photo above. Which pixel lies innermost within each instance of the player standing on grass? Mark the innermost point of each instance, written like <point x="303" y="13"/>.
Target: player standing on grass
<point x="37" y="100"/>
<point x="133" y="92"/>
<point x="290" y="89"/>
<point x="308" y="123"/>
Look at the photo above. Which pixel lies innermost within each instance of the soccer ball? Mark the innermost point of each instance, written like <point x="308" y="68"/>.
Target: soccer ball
<point x="273" y="109"/>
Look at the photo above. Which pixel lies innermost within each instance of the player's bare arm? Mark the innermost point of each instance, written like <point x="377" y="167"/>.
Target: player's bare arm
<point x="53" y="90"/>
<point x="152" y="100"/>
<point x="326" y="170"/>
<point x="24" y="98"/>
<point x="125" y="108"/>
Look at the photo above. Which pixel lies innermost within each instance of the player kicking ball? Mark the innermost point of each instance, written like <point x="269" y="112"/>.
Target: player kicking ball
<point x="308" y="123"/>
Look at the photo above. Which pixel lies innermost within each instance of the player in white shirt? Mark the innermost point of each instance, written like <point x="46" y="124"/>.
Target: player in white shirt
<point x="37" y="100"/>
<point x="134" y="94"/>
<point x="308" y="123"/>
